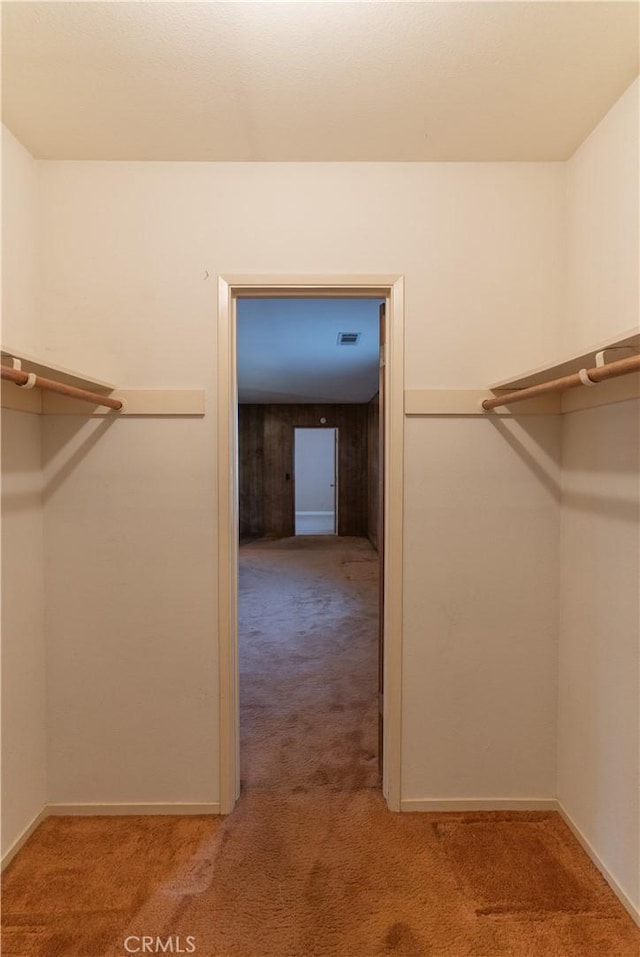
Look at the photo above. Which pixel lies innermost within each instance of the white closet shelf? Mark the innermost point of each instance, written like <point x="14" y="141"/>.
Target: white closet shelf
<point x="51" y="370"/>
<point x="615" y="352"/>
<point x="465" y="402"/>
<point x="629" y="339"/>
<point x="152" y="402"/>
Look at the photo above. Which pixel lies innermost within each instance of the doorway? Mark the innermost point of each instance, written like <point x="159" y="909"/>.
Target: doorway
<point x="232" y="289"/>
<point x="315" y="476"/>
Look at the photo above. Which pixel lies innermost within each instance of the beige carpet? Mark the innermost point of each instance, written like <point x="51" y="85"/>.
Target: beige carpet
<point x="309" y="864"/>
<point x="308" y="664"/>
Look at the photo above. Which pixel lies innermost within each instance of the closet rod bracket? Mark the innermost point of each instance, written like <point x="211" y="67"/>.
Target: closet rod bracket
<point x="585" y="378"/>
<point x="31" y="381"/>
<point x="620" y="352"/>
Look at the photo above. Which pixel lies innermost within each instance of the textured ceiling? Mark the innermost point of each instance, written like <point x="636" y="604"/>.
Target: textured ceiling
<point x="288" y="350"/>
<point x="313" y="81"/>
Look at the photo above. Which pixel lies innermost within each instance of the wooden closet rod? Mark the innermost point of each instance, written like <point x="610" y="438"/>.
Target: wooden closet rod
<point x="31" y="381"/>
<point x="585" y="377"/>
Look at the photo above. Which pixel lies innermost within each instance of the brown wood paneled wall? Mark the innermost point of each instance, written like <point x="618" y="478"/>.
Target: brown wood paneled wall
<point x="372" y="469"/>
<point x="251" y="470"/>
<point x="266" y="466"/>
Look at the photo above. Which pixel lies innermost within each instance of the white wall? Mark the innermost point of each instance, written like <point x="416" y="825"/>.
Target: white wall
<point x="481" y="576"/>
<point x="23" y="655"/>
<point x="20" y="246"/>
<point x="130" y="553"/>
<point x="599" y="714"/>
<point x="127" y="246"/>
<point x="131" y="610"/>
<point x="599" y="701"/>
<point x="603" y="183"/>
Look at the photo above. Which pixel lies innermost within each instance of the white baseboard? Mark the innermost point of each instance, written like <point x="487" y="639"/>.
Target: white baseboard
<point x="9" y="855"/>
<point x="479" y="804"/>
<point x="83" y="810"/>
<point x="606" y="873"/>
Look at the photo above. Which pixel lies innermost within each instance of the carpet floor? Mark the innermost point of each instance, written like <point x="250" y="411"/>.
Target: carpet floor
<point x="311" y="863"/>
<point x="308" y="619"/>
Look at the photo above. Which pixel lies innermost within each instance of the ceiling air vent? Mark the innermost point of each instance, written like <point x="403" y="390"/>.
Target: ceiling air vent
<point x="348" y="338"/>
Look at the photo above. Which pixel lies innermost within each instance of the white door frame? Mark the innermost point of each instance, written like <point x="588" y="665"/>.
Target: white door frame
<point x="230" y="288"/>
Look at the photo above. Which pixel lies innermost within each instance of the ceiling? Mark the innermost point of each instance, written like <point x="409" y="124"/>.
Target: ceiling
<point x="317" y="81"/>
<point x="288" y="352"/>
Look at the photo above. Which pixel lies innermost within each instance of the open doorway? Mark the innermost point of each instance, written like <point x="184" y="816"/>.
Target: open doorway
<point x="308" y="373"/>
<point x="315" y="478"/>
<point x="278" y="441"/>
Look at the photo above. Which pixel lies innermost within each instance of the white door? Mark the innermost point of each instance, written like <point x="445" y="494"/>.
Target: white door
<point x="315" y="481"/>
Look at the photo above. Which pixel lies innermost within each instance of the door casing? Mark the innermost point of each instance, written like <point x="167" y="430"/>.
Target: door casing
<point x="230" y="289"/>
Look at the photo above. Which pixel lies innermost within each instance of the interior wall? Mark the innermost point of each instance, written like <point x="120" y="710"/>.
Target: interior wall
<point x="131" y="255"/>
<point x="251" y="471"/>
<point x="131" y="610"/>
<point x="599" y="664"/>
<point x="603" y="187"/>
<point x="483" y="255"/>
<point x="20" y="246"/>
<point x="482" y="506"/>
<point x="267" y="454"/>
<point x="599" y="667"/>
<point x="23" y="650"/>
